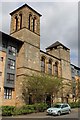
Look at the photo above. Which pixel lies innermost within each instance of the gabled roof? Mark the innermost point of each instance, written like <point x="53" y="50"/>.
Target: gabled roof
<point x="57" y="43"/>
<point x="25" y="5"/>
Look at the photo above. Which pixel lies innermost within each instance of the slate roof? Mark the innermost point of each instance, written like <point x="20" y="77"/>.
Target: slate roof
<point x="25" y="5"/>
<point x="8" y="37"/>
<point x="76" y="67"/>
<point x="57" y="43"/>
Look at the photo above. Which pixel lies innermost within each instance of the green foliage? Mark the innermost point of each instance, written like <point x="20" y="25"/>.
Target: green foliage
<point x="26" y="109"/>
<point x="40" y="107"/>
<point x="7" y="110"/>
<point x="74" y="104"/>
<point x="40" y="85"/>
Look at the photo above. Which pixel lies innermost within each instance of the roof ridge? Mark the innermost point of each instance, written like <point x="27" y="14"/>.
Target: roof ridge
<point x="57" y="43"/>
<point x="25" y="5"/>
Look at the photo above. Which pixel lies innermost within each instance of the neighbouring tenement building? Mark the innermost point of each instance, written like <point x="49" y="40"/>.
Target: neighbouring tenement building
<point x="75" y="82"/>
<point x="20" y="56"/>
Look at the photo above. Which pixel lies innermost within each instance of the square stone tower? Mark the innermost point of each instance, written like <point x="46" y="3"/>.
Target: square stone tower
<point x="63" y="53"/>
<point x="25" y="26"/>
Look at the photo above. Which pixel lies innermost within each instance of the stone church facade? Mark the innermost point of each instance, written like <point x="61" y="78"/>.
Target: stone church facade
<point x="22" y="56"/>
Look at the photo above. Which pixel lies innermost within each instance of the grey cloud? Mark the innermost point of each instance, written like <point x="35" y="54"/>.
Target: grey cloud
<point x="7" y="7"/>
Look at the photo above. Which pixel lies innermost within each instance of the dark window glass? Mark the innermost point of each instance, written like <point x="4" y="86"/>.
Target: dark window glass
<point x="29" y="22"/>
<point x="1" y="58"/>
<point x="65" y="105"/>
<point x="72" y="70"/>
<point x="50" y="67"/>
<point x="11" y="64"/>
<point x="20" y="21"/>
<point x="57" y="106"/>
<point x="42" y="64"/>
<point x="0" y="73"/>
<point x="12" y="50"/>
<point x="7" y="93"/>
<point x="56" y="69"/>
<point x="16" y="21"/>
<point x="10" y="78"/>
<point x="34" y="24"/>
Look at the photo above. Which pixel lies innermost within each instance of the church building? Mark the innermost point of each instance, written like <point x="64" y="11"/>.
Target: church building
<point x="20" y="56"/>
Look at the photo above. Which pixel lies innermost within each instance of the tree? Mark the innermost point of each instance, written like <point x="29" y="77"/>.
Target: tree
<point x="38" y="87"/>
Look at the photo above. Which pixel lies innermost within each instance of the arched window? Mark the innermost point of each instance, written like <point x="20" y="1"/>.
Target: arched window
<point x="16" y="23"/>
<point x="42" y="64"/>
<point x="29" y="22"/>
<point x="50" y="66"/>
<point x="20" y="21"/>
<point x="34" y="24"/>
<point x="56" y="69"/>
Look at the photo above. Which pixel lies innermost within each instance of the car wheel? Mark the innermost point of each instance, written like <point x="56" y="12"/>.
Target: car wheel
<point x="59" y="113"/>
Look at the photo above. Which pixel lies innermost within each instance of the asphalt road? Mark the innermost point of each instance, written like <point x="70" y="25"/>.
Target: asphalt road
<point x="74" y="115"/>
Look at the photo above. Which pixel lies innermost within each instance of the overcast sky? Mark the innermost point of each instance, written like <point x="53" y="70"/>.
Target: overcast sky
<point x="59" y="22"/>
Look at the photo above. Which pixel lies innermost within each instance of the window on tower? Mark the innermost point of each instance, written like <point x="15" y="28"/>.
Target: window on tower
<point x="0" y="73"/>
<point x="16" y="23"/>
<point x="29" y="25"/>
<point x="34" y="24"/>
<point x="20" y="21"/>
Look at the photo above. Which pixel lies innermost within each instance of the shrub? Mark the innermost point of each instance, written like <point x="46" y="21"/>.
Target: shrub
<point x="7" y="110"/>
<point x="26" y="109"/>
<point x="74" y="104"/>
<point x="40" y="107"/>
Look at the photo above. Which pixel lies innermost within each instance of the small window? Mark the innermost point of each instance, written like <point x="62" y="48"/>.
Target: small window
<point x="34" y="24"/>
<point x="20" y="21"/>
<point x="7" y="93"/>
<point x="56" y="69"/>
<point x="29" y="22"/>
<point x="16" y="23"/>
<point x="50" y="67"/>
<point x="11" y="64"/>
<point x="10" y="78"/>
<point x="1" y="58"/>
<point x="77" y="72"/>
<point x="12" y="50"/>
<point x="0" y="73"/>
<point x="42" y="64"/>
<point x="72" y="70"/>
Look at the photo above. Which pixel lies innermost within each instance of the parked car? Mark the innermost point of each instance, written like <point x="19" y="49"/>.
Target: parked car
<point x="59" y="109"/>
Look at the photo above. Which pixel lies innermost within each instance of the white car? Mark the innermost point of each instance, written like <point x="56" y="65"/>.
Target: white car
<point x="59" y="109"/>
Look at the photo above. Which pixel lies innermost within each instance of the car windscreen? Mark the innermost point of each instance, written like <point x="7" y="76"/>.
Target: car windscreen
<point x="57" y="106"/>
